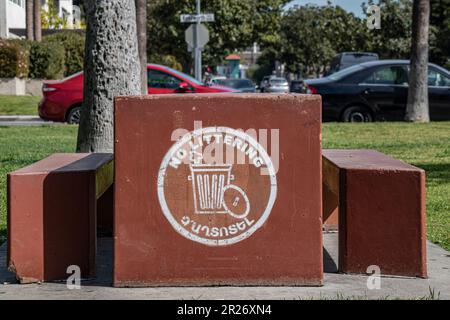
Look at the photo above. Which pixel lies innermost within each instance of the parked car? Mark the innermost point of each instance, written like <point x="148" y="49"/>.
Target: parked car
<point x="273" y="84"/>
<point x="215" y="79"/>
<point x="347" y="59"/>
<point x="297" y="86"/>
<point x="241" y="85"/>
<point x="378" y="90"/>
<point x="62" y="99"/>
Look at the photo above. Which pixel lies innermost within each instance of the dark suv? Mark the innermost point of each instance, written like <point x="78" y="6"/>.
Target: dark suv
<point x="347" y="59"/>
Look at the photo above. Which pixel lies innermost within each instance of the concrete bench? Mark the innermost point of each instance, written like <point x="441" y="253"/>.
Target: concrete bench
<point x="217" y="205"/>
<point x="381" y="206"/>
<point x="53" y="206"/>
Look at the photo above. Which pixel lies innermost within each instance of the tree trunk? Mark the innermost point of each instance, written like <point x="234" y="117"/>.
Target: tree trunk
<point x="37" y="20"/>
<point x="141" y="24"/>
<point x="111" y="68"/>
<point x="29" y="19"/>
<point x="417" y="109"/>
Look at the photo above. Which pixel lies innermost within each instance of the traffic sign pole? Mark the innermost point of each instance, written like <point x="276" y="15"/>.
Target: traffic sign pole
<point x="196" y="36"/>
<point x="198" y="53"/>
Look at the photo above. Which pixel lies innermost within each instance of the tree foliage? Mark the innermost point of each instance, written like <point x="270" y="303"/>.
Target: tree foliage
<point x="312" y="35"/>
<point x="50" y="18"/>
<point x="305" y="38"/>
<point x="238" y="23"/>
<point x="393" y="40"/>
<point x="440" y="21"/>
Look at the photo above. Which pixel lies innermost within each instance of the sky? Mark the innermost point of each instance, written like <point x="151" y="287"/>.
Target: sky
<point x="349" y="5"/>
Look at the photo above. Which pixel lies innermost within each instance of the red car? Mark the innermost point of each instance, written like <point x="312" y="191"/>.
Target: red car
<point x="62" y="99"/>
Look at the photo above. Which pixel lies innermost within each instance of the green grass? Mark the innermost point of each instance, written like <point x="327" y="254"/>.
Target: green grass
<point x="423" y="145"/>
<point x="18" y="105"/>
<point x="20" y="146"/>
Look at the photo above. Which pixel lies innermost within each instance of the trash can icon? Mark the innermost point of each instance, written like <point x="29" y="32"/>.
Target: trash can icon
<point x="209" y="184"/>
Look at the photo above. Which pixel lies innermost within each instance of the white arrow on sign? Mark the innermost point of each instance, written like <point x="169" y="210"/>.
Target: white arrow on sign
<point x="190" y="18"/>
<point x="203" y="35"/>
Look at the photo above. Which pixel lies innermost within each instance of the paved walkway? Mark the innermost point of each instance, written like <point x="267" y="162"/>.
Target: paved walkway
<point x="335" y="285"/>
<point x="18" y="120"/>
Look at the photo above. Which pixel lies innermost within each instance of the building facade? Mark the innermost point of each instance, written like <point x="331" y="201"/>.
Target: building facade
<point x="13" y="18"/>
<point x="12" y="15"/>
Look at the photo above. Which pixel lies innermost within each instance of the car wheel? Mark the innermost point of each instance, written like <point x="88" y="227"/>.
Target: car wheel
<point x="74" y="116"/>
<point x="357" y="114"/>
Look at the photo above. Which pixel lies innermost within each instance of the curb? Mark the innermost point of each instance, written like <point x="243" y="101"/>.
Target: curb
<point x="19" y="118"/>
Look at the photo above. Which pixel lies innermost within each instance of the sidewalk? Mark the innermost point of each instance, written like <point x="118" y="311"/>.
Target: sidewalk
<point x="19" y="118"/>
<point x="22" y="120"/>
<point x="335" y="285"/>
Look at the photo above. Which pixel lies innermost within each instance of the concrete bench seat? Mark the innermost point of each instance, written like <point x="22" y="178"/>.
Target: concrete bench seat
<point x="380" y="202"/>
<point x="52" y="215"/>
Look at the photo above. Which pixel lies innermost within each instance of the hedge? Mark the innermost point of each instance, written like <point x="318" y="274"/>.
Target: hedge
<point x="73" y="44"/>
<point x="46" y="60"/>
<point x="13" y="60"/>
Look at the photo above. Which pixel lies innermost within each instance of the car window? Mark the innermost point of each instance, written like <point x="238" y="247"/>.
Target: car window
<point x="278" y="81"/>
<point x="388" y="75"/>
<point x="185" y="76"/>
<point x="345" y="72"/>
<point x="358" y="58"/>
<point x="235" y="83"/>
<point x="437" y="79"/>
<point x="161" y="80"/>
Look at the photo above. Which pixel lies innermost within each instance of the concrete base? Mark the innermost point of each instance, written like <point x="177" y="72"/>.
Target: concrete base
<point x="12" y="86"/>
<point x="335" y="285"/>
<point x="20" y="87"/>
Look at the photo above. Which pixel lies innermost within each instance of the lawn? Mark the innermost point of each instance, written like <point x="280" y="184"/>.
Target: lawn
<point x="18" y="105"/>
<point x="424" y="145"/>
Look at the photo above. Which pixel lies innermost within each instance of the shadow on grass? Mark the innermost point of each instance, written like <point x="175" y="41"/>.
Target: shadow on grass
<point x="3" y="235"/>
<point x="437" y="172"/>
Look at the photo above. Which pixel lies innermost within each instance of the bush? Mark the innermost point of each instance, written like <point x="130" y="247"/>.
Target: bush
<point x="46" y="60"/>
<point x="13" y="60"/>
<point x="165" y="60"/>
<point x="73" y="44"/>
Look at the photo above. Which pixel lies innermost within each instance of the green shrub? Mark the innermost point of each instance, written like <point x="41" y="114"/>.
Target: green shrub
<point x="13" y="60"/>
<point x="73" y="44"/>
<point x="166" y="60"/>
<point x="46" y="60"/>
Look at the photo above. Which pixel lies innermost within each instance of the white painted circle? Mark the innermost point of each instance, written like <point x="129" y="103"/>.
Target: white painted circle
<point x="247" y="202"/>
<point x="162" y="200"/>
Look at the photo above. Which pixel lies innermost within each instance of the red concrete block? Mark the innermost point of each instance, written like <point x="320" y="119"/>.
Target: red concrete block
<point x="105" y="212"/>
<point x="199" y="202"/>
<point x="52" y="215"/>
<point x="381" y="212"/>
<point x="330" y="204"/>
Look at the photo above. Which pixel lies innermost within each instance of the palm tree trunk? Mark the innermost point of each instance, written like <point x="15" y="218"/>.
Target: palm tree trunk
<point x="111" y="68"/>
<point x="37" y="20"/>
<point x="141" y="24"/>
<point x="417" y="109"/>
<point x="29" y="19"/>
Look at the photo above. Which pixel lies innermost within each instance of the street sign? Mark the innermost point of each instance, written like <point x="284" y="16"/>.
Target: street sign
<point x="191" y="18"/>
<point x="203" y="35"/>
<point x="197" y="35"/>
